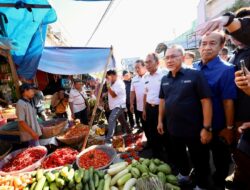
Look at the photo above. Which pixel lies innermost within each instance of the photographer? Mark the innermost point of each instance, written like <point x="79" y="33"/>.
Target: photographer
<point x="59" y="104"/>
<point x="242" y="154"/>
<point x="234" y="25"/>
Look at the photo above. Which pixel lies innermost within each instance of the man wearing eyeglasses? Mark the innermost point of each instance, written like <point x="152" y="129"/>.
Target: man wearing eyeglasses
<point x="185" y="101"/>
<point x="151" y="102"/>
<point x="220" y="77"/>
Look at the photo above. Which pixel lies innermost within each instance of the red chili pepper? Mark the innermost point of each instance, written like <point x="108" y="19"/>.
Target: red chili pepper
<point x="96" y="158"/>
<point x="25" y="158"/>
<point x="60" y="157"/>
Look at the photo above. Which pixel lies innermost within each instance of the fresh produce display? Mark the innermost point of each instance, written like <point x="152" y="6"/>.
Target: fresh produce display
<point x="67" y="178"/>
<point x="24" y="159"/>
<point x="9" y="182"/>
<point x="75" y="131"/>
<point x="60" y="157"/>
<point x="129" y="156"/>
<point x="128" y="142"/>
<point x="131" y="176"/>
<point x="96" y="158"/>
<point x="150" y="183"/>
<point x="100" y="131"/>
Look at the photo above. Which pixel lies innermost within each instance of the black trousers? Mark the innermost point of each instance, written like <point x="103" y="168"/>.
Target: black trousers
<point x="83" y="116"/>
<point x="222" y="159"/>
<point x="199" y="155"/>
<point x="154" y="138"/>
<point x="138" y="118"/>
<point x="143" y="125"/>
<point x="129" y="116"/>
<point x="242" y="170"/>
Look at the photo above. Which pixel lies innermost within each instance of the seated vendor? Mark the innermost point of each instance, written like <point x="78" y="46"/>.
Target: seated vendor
<point x="27" y="118"/>
<point x="60" y="103"/>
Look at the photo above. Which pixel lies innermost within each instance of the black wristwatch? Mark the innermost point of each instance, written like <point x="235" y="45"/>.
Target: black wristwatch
<point x="208" y="128"/>
<point x="231" y="18"/>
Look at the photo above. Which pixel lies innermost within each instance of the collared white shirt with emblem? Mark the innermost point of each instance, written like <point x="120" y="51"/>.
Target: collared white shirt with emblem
<point x="137" y="86"/>
<point x="152" y="86"/>
<point x="120" y="100"/>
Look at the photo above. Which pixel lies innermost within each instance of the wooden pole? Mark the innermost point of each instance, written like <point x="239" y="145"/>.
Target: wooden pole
<point x="98" y="97"/>
<point x="14" y="73"/>
<point x="6" y="53"/>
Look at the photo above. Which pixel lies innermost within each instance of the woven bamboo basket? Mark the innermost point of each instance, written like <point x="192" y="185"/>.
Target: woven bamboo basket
<point x="73" y="140"/>
<point x="53" y="130"/>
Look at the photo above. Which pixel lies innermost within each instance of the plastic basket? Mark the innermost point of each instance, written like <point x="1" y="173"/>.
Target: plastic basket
<point x="109" y="150"/>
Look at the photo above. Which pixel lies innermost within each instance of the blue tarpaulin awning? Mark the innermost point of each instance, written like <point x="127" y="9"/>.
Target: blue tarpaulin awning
<point x="74" y="60"/>
<point x="27" y="28"/>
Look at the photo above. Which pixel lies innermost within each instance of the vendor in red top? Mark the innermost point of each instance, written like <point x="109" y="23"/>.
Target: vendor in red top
<point x="27" y="116"/>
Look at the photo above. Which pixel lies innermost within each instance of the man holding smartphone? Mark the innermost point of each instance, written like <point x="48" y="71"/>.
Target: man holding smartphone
<point x="242" y="154"/>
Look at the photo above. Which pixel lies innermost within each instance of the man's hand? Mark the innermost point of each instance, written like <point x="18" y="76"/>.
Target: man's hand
<point x="144" y="115"/>
<point x="215" y="24"/>
<point x="160" y="128"/>
<point x="242" y="82"/>
<point x="228" y="135"/>
<point x="108" y="83"/>
<point x="35" y="136"/>
<point x="132" y="109"/>
<point x="206" y="136"/>
<point x="244" y="126"/>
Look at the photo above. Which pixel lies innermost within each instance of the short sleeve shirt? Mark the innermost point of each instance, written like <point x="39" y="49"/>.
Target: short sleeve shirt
<point x="137" y="86"/>
<point x="152" y="86"/>
<point x="183" y="95"/>
<point x="120" y="100"/>
<point x="77" y="99"/>
<point x="26" y="112"/>
<point x="220" y="77"/>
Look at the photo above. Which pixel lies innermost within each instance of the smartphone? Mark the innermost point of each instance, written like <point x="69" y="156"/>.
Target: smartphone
<point x="243" y="67"/>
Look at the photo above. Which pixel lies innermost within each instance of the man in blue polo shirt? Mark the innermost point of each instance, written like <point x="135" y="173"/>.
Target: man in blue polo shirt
<point x="220" y="77"/>
<point x="185" y="101"/>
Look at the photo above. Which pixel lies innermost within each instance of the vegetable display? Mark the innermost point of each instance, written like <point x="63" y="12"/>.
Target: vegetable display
<point x="60" y="157"/>
<point x="15" y="182"/>
<point x="150" y="173"/>
<point x="67" y="178"/>
<point x="96" y="158"/>
<point x="75" y="131"/>
<point x="24" y="159"/>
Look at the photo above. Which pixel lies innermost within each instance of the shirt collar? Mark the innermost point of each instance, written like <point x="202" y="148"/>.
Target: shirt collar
<point x="181" y="71"/>
<point x="158" y="71"/>
<point x="211" y="63"/>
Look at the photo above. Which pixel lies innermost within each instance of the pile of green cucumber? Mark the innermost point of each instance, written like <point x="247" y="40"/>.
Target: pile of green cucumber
<point x="124" y="177"/>
<point x="67" y="179"/>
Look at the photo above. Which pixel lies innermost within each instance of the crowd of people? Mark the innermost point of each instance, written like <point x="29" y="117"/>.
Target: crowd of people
<point x="186" y="110"/>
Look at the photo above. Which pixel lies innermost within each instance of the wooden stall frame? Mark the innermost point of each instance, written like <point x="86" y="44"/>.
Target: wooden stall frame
<point x="98" y="97"/>
<point x="6" y="53"/>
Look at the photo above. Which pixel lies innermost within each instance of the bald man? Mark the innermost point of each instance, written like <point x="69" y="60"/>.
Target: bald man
<point x="220" y="77"/>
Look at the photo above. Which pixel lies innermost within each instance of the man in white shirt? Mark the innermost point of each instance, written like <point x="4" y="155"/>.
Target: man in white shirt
<point x="77" y="102"/>
<point x="151" y="102"/>
<point x="137" y="92"/>
<point x="117" y="104"/>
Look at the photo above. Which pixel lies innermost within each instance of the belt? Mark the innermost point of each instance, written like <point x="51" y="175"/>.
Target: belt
<point x="153" y="105"/>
